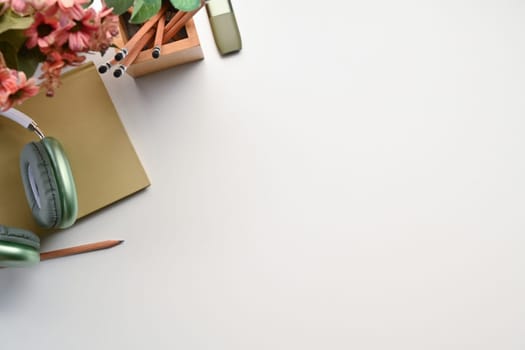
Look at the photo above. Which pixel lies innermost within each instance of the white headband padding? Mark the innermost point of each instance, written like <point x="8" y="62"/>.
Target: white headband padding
<point x="18" y="117"/>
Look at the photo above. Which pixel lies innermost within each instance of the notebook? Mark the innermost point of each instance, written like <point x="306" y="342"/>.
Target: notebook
<point x="82" y="117"/>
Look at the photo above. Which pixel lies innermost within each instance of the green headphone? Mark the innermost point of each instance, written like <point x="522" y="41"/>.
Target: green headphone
<point x="50" y="192"/>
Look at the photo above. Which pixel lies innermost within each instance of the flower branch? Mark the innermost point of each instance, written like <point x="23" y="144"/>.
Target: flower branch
<point x="52" y="33"/>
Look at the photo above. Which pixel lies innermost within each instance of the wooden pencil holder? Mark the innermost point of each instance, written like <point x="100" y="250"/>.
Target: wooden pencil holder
<point x="183" y="48"/>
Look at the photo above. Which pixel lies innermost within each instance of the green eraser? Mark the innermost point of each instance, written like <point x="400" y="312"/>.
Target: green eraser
<point x="224" y="26"/>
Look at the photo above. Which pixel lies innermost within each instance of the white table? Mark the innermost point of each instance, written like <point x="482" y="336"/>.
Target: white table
<point x="353" y="179"/>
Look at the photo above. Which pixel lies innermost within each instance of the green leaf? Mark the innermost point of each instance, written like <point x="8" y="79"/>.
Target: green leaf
<point x="28" y="60"/>
<point x="15" y="38"/>
<point x="119" y="6"/>
<point x="9" y="53"/>
<point x="186" y="5"/>
<point x="144" y="10"/>
<point x="10" y="20"/>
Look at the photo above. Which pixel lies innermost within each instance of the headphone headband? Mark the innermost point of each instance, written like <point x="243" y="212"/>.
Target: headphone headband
<point x="23" y="120"/>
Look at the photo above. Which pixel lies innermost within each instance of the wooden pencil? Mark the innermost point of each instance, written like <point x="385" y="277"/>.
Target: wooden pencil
<point x="176" y="17"/>
<point x="135" y="51"/>
<point x="159" y="34"/>
<point x="140" y="33"/>
<point x="176" y="27"/>
<point x="85" y="248"/>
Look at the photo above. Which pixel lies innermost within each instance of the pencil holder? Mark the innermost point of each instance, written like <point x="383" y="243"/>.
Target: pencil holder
<point x="183" y="48"/>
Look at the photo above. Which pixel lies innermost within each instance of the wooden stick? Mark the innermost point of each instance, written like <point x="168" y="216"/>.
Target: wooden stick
<point x="140" y="33"/>
<point x="85" y="248"/>
<point x="159" y="34"/>
<point x="135" y="51"/>
<point x="178" y="15"/>
<point x="168" y="35"/>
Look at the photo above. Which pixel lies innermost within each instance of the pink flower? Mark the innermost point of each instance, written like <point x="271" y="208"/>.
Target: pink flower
<point x="7" y="84"/>
<point x="51" y="70"/>
<point x="20" y="6"/>
<point x="7" y="80"/>
<point x="61" y="29"/>
<point x="41" y="5"/>
<point x="3" y="99"/>
<point x="108" y="29"/>
<point x="43" y="32"/>
<point x="83" y="26"/>
<point x="108" y="22"/>
<point x="67" y="4"/>
<point x="52" y="67"/>
<point x="22" y="89"/>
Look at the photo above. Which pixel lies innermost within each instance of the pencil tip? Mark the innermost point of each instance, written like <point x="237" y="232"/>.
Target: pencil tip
<point x="114" y="242"/>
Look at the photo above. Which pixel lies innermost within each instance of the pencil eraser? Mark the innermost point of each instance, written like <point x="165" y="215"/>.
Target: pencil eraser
<point x="104" y="67"/>
<point x="121" y="54"/>
<point x="224" y="26"/>
<point x="118" y="72"/>
<point x="156" y="52"/>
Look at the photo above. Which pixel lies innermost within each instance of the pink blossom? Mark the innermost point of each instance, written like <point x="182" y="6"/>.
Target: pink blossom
<point x="8" y="81"/>
<point x="66" y="4"/>
<point x="22" y="89"/>
<point x="52" y="67"/>
<point x="20" y="6"/>
<point x="43" y="32"/>
<point x="82" y="28"/>
<point x="108" y="22"/>
<point x="51" y="70"/>
<point x="108" y="29"/>
<point x="61" y="29"/>
<point x="41" y="5"/>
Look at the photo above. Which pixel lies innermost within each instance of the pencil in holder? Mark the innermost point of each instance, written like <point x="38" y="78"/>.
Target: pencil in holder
<point x="181" y="48"/>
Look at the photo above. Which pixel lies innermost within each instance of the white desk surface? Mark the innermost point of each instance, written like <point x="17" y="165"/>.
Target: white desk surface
<point x="353" y="179"/>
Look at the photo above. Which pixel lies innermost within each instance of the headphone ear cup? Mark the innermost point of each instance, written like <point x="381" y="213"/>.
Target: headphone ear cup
<point x="40" y="185"/>
<point x="18" y="247"/>
<point x="49" y="184"/>
<point x="64" y="180"/>
<point x="18" y="235"/>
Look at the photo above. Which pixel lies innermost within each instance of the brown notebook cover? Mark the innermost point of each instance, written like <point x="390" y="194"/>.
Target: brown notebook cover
<point x="82" y="117"/>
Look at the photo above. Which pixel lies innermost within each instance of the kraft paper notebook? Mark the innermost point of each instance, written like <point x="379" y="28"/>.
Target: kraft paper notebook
<point x="82" y="117"/>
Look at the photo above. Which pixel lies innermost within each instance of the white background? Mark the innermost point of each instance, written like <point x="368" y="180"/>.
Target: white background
<point x="353" y="179"/>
